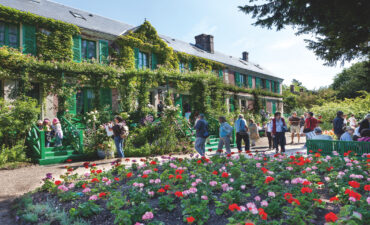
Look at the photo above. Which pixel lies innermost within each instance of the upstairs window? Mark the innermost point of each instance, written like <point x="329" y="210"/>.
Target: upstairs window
<point x="141" y="59"/>
<point x="182" y="67"/>
<point x="9" y="35"/>
<point x="88" y="49"/>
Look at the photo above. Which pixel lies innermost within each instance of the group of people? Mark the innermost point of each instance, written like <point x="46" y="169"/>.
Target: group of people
<point x="53" y="131"/>
<point x="354" y="131"/>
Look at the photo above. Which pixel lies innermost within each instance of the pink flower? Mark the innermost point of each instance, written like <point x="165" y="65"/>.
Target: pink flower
<point x="147" y="216"/>
<point x="108" y="182"/>
<point x="231" y="180"/>
<point x="289" y="168"/>
<point x="192" y="176"/>
<point x="254" y="211"/>
<point x="335" y="153"/>
<point x="193" y="190"/>
<point x="327" y="179"/>
<point x="368" y="200"/>
<point x="204" y="197"/>
<point x="213" y="183"/>
<point x="198" y="181"/>
<point x="151" y="181"/>
<point x="194" y="184"/>
<point x="242" y="187"/>
<point x="87" y="175"/>
<point x="258" y="165"/>
<point x="86" y="190"/>
<point x="104" y="179"/>
<point x="151" y="193"/>
<point x="352" y="199"/>
<point x="225" y="187"/>
<point x="264" y="203"/>
<point x="63" y="188"/>
<point x="257" y="198"/>
<point x="71" y="185"/>
<point x="93" y="197"/>
<point x="271" y="194"/>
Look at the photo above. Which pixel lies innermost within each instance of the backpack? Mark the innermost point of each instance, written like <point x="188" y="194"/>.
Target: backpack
<point x="242" y="126"/>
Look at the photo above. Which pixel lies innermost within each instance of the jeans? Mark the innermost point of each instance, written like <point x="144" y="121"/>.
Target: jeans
<point x="119" y="145"/>
<point x="200" y="145"/>
<point x="269" y="137"/>
<point x="279" y="139"/>
<point x="224" y="141"/>
<point x="245" y="138"/>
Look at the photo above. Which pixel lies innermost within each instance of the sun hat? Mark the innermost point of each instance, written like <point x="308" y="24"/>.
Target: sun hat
<point x="55" y="120"/>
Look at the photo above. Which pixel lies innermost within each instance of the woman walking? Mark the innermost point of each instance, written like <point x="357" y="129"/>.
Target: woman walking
<point x="120" y="132"/>
<point x="225" y="134"/>
<point x="253" y="129"/>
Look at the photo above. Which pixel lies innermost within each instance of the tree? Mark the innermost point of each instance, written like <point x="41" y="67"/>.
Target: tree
<point x="351" y="80"/>
<point x="341" y="27"/>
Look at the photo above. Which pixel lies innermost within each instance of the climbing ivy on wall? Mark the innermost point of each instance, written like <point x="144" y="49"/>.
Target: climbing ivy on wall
<point x="54" y="46"/>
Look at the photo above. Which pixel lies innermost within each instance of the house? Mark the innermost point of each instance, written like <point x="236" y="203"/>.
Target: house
<point x="97" y="42"/>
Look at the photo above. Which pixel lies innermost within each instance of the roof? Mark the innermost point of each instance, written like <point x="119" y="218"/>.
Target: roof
<point x="101" y="24"/>
<point x="64" y="13"/>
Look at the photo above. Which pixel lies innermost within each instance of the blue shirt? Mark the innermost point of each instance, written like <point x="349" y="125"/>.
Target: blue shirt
<point x="321" y="137"/>
<point x="346" y="137"/>
<point x="201" y="128"/>
<point x="225" y="129"/>
<point x="238" y="124"/>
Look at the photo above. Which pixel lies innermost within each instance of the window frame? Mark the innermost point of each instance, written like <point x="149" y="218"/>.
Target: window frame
<point x="85" y="51"/>
<point x="6" y="34"/>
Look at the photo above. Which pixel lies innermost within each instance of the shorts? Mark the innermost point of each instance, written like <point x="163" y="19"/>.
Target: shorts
<point x="295" y="129"/>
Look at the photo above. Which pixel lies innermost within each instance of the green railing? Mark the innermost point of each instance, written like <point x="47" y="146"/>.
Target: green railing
<point x="328" y="146"/>
<point x="36" y="141"/>
<point x="72" y="135"/>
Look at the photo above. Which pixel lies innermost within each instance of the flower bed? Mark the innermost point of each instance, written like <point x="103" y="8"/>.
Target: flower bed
<point x="232" y="189"/>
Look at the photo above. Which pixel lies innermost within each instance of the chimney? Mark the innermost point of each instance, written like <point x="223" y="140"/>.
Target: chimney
<point x="205" y="42"/>
<point x="292" y="88"/>
<point x="245" y="56"/>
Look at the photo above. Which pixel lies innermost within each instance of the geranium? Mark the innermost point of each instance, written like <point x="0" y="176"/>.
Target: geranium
<point x="102" y="194"/>
<point x="179" y="194"/>
<point x="161" y="190"/>
<point x="171" y="176"/>
<point x="93" y="197"/>
<point x="147" y="215"/>
<point x="367" y="187"/>
<point x="269" y="179"/>
<point x="354" y="184"/>
<point x="95" y="180"/>
<point x="215" y="172"/>
<point x="249" y="224"/>
<point x="264" y="203"/>
<point x="213" y="183"/>
<point x="262" y="213"/>
<point x="264" y="170"/>
<point x="116" y="178"/>
<point x="86" y="164"/>
<point x="99" y="171"/>
<point x="57" y="182"/>
<point x="353" y="194"/>
<point x="190" y="219"/>
<point x="155" y="170"/>
<point x="179" y="171"/>
<point x="153" y="163"/>
<point x="306" y="190"/>
<point x="225" y="175"/>
<point x="335" y="198"/>
<point x="167" y="187"/>
<point x="178" y="177"/>
<point x="144" y="176"/>
<point x="271" y="194"/>
<point x="317" y="200"/>
<point x="234" y="207"/>
<point x="331" y="217"/>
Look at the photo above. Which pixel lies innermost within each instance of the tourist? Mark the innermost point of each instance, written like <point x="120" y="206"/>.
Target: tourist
<point x="301" y="125"/>
<point x="319" y="135"/>
<point x="253" y="130"/>
<point x="309" y="126"/>
<point x="347" y="136"/>
<point x="338" y="124"/>
<point x="225" y="134"/>
<point x="48" y="132"/>
<point x="278" y="128"/>
<point x="365" y="135"/>
<point x="345" y="120"/>
<point x="120" y="133"/>
<point x="201" y="127"/>
<point x="241" y="133"/>
<point x="39" y="125"/>
<point x="58" y="132"/>
<point x="269" y="134"/>
<point x="365" y="124"/>
<point x="352" y="121"/>
<point x="294" y="126"/>
<point x="356" y="134"/>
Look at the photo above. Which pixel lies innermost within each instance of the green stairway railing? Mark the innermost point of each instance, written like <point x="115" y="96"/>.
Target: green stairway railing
<point x="328" y="146"/>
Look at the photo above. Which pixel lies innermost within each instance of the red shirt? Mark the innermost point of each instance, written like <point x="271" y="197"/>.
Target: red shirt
<point x="311" y="123"/>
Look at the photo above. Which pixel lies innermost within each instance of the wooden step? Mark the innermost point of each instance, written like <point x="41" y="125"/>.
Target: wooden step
<point x="61" y="159"/>
<point x="61" y="152"/>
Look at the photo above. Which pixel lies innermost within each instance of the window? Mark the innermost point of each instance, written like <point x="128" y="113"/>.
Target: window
<point x="143" y="60"/>
<point x="77" y="15"/>
<point x="182" y="67"/>
<point x="263" y="83"/>
<point x="243" y="80"/>
<point x="88" y="49"/>
<point x="9" y="35"/>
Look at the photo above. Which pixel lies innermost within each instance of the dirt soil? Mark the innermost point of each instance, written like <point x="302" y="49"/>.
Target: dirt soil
<point x="15" y="183"/>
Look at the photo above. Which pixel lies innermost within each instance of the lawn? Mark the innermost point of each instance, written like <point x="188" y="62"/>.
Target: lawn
<point x="222" y="189"/>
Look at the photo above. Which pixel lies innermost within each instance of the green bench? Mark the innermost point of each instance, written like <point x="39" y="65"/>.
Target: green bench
<point x="328" y="146"/>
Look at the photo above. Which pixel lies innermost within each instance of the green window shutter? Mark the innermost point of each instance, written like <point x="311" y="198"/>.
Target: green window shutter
<point x="2" y="34"/>
<point x="77" y="48"/>
<point x="250" y="82"/>
<point x="29" y="39"/>
<point x="103" y="51"/>
<point x="136" y="53"/>
<point x="268" y="85"/>
<point x="220" y="73"/>
<point x="105" y="97"/>
<point x="231" y="103"/>
<point x="273" y="86"/>
<point x="277" y="87"/>
<point x="154" y="61"/>
<point x="258" y="82"/>
<point x="237" y="79"/>
<point x="190" y="66"/>
<point x="72" y="105"/>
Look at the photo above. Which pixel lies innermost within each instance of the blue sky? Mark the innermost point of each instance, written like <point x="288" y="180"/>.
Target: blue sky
<point x="282" y="53"/>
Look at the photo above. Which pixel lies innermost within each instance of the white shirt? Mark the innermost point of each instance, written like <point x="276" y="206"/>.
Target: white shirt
<point x="269" y="127"/>
<point x="352" y="121"/>
<point x="279" y="125"/>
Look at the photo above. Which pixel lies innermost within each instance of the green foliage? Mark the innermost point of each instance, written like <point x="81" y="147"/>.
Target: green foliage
<point x="350" y="81"/>
<point x="85" y="209"/>
<point x="15" y="153"/>
<point x="340" y="36"/>
<point x="165" y="203"/>
<point x="54" y="46"/>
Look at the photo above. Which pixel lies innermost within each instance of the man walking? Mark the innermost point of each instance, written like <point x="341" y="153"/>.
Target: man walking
<point x="201" y="128"/>
<point x="241" y="133"/>
<point x="294" y="126"/>
<point x="278" y="128"/>
<point x="338" y="124"/>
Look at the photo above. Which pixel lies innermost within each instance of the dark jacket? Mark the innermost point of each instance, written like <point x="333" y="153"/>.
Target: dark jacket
<point x="201" y="128"/>
<point x="364" y="125"/>
<point x="338" y="124"/>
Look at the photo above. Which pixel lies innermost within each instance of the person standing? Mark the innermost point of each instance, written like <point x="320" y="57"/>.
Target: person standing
<point x="278" y="128"/>
<point x="365" y="124"/>
<point x="301" y="125"/>
<point x="225" y="134"/>
<point x="120" y="132"/>
<point x="58" y="132"/>
<point x="352" y="121"/>
<point x="294" y="126"/>
<point x="338" y="124"/>
<point x="269" y="134"/>
<point x="201" y="127"/>
<point x="309" y="125"/>
<point x="347" y="136"/>
<point x="241" y="133"/>
<point x="253" y="130"/>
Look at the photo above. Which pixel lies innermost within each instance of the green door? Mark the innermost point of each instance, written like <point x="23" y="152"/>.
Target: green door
<point x="273" y="107"/>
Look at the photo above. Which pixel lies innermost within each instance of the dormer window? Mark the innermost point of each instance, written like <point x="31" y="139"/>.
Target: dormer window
<point x="77" y="15"/>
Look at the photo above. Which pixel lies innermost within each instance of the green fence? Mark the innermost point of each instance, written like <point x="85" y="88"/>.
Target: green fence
<point x="328" y="146"/>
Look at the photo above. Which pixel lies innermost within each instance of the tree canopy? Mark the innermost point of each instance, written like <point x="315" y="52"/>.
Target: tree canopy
<point x="341" y="27"/>
<point x="350" y="81"/>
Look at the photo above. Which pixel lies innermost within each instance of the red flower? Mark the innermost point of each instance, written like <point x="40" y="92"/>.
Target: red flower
<point x="264" y="170"/>
<point x="354" y="184"/>
<point x="318" y="200"/>
<point x="167" y="187"/>
<point x="317" y="155"/>
<point x="57" y="182"/>
<point x="96" y="180"/>
<point x="219" y="150"/>
<point x="161" y="190"/>
<point x="179" y="194"/>
<point x="144" y="176"/>
<point x="210" y="149"/>
<point x="331" y="217"/>
<point x="269" y="179"/>
<point x="129" y="175"/>
<point x="335" y="198"/>
<point x="179" y="172"/>
<point x="102" y="194"/>
<point x="69" y="160"/>
<point x="155" y="170"/>
<point x="215" y="172"/>
<point x="116" y="179"/>
<point x="127" y="159"/>
<point x="179" y="177"/>
<point x="99" y="171"/>
<point x="320" y="183"/>
<point x="233" y="207"/>
<point x="228" y="155"/>
<point x="225" y="175"/>
<point x="296" y="201"/>
<point x="306" y="190"/>
<point x="84" y="185"/>
<point x="170" y="176"/>
<point x="353" y="194"/>
<point x="86" y="164"/>
<point x="310" y="151"/>
<point x="319" y="150"/>
<point x="288" y="196"/>
<point x="329" y="168"/>
<point x="92" y="171"/>
<point x="70" y="169"/>
<point x="304" y="171"/>
<point x="249" y="224"/>
<point x="190" y="219"/>
<point x="94" y="164"/>
<point x="367" y="187"/>
<point x="199" y="161"/>
<point x="306" y="183"/>
<point x="153" y="163"/>
<point x="262" y="213"/>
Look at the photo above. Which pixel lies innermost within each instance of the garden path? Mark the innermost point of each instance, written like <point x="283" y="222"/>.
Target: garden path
<point x="15" y="183"/>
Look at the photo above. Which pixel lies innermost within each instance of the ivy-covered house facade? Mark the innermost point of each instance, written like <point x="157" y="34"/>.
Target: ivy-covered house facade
<point x="91" y="61"/>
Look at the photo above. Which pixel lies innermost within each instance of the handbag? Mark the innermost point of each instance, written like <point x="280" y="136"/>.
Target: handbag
<point x="306" y="130"/>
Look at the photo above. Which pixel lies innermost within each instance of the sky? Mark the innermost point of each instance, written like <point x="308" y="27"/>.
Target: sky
<point x="281" y="52"/>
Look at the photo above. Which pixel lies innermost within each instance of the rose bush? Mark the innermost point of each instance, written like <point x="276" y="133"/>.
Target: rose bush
<point x="231" y="189"/>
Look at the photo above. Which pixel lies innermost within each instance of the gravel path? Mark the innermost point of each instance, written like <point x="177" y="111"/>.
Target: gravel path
<point x="15" y="183"/>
